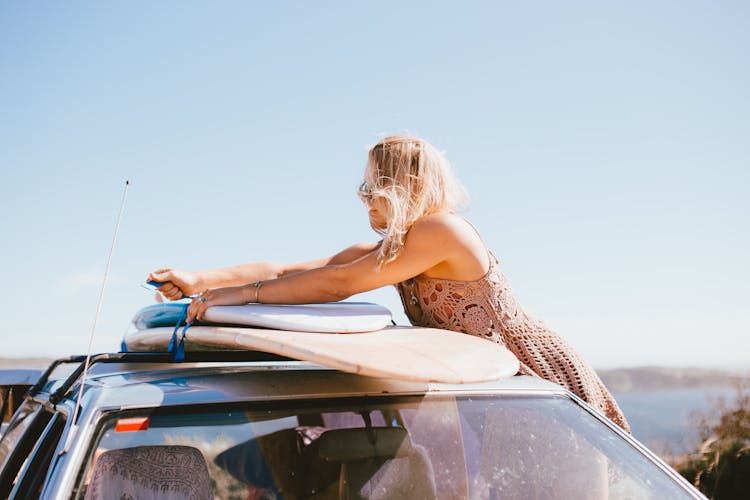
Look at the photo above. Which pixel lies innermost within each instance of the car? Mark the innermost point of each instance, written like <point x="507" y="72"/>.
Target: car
<point x="258" y="425"/>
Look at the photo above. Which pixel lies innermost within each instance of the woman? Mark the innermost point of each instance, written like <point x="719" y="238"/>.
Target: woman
<point x="445" y="275"/>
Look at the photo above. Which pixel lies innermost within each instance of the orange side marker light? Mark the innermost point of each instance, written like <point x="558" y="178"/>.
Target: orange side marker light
<point x="131" y="424"/>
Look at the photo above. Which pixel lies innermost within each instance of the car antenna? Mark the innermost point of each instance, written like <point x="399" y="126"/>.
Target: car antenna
<point x="74" y="427"/>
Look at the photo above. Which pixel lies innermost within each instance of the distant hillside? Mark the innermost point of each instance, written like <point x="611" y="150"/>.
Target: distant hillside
<point x="654" y="379"/>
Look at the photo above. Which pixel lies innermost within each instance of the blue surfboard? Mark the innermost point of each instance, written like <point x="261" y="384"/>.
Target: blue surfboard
<point x="157" y="315"/>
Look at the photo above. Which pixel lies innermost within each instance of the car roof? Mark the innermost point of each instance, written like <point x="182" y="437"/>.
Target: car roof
<point x="166" y="384"/>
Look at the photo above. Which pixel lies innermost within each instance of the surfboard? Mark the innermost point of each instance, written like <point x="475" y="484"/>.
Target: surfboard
<point x="333" y="317"/>
<point x="398" y="352"/>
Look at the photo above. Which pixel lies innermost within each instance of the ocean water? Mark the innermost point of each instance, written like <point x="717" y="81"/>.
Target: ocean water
<point x="662" y="420"/>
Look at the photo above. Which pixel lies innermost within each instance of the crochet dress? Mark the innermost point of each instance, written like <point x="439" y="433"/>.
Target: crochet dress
<point x="487" y="308"/>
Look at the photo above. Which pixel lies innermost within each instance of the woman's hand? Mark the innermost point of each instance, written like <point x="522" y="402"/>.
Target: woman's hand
<point x="176" y="284"/>
<point x="231" y="296"/>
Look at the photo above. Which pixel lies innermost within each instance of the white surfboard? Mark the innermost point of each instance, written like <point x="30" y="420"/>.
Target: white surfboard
<point x="333" y="317"/>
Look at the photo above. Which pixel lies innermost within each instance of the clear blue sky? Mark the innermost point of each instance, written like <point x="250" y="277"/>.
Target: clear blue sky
<point x="605" y="146"/>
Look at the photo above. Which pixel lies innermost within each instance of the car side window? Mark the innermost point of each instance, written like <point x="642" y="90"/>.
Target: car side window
<point x="16" y="428"/>
<point x="19" y="441"/>
<point x="30" y="480"/>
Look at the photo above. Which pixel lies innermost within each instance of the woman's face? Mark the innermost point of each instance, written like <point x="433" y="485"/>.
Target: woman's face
<point x="376" y="212"/>
<point x="375" y="207"/>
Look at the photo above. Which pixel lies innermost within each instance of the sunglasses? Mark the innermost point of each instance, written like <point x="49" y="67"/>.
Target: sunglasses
<point x="365" y="193"/>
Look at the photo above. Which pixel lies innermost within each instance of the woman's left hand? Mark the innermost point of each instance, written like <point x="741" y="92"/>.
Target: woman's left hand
<point x="217" y="297"/>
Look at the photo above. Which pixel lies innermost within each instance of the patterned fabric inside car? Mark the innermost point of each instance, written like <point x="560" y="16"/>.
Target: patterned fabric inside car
<point x="150" y="472"/>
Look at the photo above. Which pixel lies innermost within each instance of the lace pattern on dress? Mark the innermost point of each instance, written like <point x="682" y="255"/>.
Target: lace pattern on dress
<point x="487" y="308"/>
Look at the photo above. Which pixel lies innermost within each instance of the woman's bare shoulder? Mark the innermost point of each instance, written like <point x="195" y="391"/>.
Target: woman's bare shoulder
<point x="443" y="222"/>
<point x="443" y="227"/>
<point x="464" y="254"/>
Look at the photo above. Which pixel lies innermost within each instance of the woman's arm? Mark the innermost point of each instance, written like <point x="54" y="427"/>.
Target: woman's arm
<point x="428" y="243"/>
<point x="177" y="283"/>
<point x="350" y="254"/>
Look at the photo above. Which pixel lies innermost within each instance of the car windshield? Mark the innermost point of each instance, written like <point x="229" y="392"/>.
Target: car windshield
<point x="435" y="446"/>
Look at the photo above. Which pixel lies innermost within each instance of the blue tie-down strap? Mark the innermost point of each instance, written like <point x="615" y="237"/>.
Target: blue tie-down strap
<point x="175" y="347"/>
<point x="179" y="352"/>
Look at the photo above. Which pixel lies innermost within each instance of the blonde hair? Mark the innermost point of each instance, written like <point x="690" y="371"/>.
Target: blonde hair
<point x="414" y="179"/>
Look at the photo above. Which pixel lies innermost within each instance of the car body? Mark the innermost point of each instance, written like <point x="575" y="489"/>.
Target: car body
<point x="268" y="427"/>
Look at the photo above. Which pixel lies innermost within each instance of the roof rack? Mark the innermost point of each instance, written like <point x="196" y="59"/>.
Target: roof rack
<point x="143" y="357"/>
<point x="44" y="377"/>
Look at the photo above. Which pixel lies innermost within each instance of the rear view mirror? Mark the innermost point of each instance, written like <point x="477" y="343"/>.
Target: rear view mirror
<point x="348" y="445"/>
